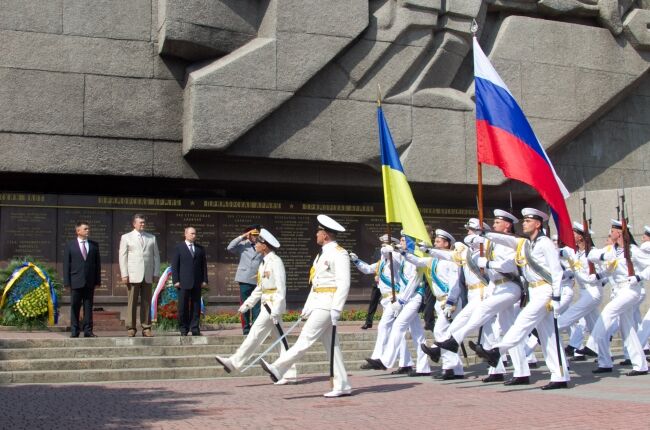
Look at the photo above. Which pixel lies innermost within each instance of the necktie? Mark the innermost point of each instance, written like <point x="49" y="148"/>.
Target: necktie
<point x="191" y="249"/>
<point x="84" y="253"/>
<point x="142" y="241"/>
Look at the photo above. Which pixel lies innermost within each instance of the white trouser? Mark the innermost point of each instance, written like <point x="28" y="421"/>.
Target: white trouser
<point x="407" y="320"/>
<point x="536" y="315"/>
<point x="489" y="339"/>
<point x="450" y="360"/>
<point x="577" y="333"/>
<point x="621" y="307"/>
<point x="501" y="302"/>
<point x="317" y="326"/>
<point x="589" y="300"/>
<point x="383" y="334"/>
<point x="262" y="327"/>
<point x="566" y="297"/>
<point x="644" y="331"/>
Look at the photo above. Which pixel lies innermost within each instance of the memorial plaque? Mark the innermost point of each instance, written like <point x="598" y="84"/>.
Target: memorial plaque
<point x="206" y="225"/>
<point x="28" y="232"/>
<point x="123" y="223"/>
<point x="101" y="228"/>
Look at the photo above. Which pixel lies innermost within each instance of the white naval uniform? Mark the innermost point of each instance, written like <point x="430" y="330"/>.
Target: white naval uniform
<point x="644" y="327"/>
<point x="330" y="287"/>
<point x="503" y="302"/>
<point x="536" y="313"/>
<point x="587" y="305"/>
<point x="478" y="289"/>
<point x="271" y="290"/>
<point x="621" y="307"/>
<point x="443" y="278"/>
<point x="410" y="295"/>
<point x="381" y="270"/>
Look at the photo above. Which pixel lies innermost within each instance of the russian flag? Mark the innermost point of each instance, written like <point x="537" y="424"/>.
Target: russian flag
<point x="505" y="139"/>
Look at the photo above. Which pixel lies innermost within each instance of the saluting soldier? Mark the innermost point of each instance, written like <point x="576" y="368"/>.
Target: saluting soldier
<point x="541" y="268"/>
<point x="271" y="291"/>
<point x="330" y="285"/>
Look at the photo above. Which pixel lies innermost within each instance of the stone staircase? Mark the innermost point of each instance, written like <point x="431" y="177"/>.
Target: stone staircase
<point x="65" y="360"/>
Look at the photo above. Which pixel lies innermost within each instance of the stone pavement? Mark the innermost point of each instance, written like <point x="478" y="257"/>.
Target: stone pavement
<point x="379" y="400"/>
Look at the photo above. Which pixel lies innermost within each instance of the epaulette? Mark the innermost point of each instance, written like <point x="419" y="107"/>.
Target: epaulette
<point x="340" y="248"/>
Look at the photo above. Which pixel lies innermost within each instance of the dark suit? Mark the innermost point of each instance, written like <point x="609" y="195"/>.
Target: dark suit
<point x="81" y="276"/>
<point x="190" y="271"/>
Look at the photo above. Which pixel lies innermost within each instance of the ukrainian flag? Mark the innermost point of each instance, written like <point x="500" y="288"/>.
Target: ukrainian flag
<point x="398" y="199"/>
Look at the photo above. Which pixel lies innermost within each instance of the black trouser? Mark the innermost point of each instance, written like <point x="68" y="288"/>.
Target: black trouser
<point x="78" y="297"/>
<point x="429" y="310"/>
<point x="248" y="318"/>
<point x="375" y="298"/>
<point x="189" y="310"/>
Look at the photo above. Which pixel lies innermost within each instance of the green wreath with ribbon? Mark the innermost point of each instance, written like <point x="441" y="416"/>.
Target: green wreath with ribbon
<point x="30" y="295"/>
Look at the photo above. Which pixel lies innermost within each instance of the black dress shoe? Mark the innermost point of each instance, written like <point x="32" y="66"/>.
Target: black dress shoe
<point x="183" y="334"/>
<point x="533" y="365"/>
<point x="366" y="326"/>
<point x="555" y="385"/>
<point x="196" y="333"/>
<point x="449" y="375"/>
<point x="636" y="373"/>
<point x="405" y="370"/>
<point x="602" y="370"/>
<point x="518" y="380"/>
<point x="432" y="352"/>
<point x="448" y="344"/>
<point x="492" y="356"/>
<point x="646" y="351"/>
<point x="495" y="377"/>
<point x="626" y="362"/>
<point x="413" y="373"/>
<point x="587" y="351"/>
<point x="90" y="335"/>
<point x="366" y="366"/>
<point x="568" y="350"/>
<point x="74" y="335"/>
<point x="578" y="358"/>
<point x="376" y="364"/>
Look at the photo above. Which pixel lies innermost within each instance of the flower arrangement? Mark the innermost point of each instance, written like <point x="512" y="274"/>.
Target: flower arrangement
<point x="30" y="294"/>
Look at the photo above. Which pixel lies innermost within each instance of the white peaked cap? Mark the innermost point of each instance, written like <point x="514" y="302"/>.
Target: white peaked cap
<point x="619" y="225"/>
<point x="534" y="213"/>
<point x="577" y="227"/>
<point x="474" y="225"/>
<point x="384" y="239"/>
<point x="507" y="216"/>
<point x="327" y="223"/>
<point x="443" y="234"/>
<point x="266" y="237"/>
<point x="646" y="229"/>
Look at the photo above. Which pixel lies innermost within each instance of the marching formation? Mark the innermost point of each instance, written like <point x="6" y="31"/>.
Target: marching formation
<point x="513" y="292"/>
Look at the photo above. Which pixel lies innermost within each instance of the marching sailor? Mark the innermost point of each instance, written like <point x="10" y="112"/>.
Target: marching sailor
<point x="330" y="285"/>
<point x="622" y="306"/>
<point x="540" y="263"/>
<point x="444" y="279"/>
<point x="271" y="290"/>
<point x="405" y="309"/>
<point x="500" y="267"/>
<point x="382" y="271"/>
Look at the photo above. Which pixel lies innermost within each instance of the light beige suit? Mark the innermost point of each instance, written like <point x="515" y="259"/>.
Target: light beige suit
<point x="140" y="262"/>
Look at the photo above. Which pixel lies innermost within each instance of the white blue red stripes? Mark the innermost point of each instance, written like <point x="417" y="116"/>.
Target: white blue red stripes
<point x="505" y="139"/>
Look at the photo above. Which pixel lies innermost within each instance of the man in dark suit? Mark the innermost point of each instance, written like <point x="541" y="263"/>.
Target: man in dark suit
<point x="82" y="274"/>
<point x="189" y="274"/>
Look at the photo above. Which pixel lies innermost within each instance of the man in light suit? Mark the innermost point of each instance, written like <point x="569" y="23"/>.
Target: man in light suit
<point x="190" y="273"/>
<point x="82" y="273"/>
<point x="140" y="267"/>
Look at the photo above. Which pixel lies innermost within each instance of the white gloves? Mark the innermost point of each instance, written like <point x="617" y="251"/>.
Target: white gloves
<point x="386" y="250"/>
<point x="275" y="318"/>
<point x="633" y="279"/>
<point x="555" y="305"/>
<point x="423" y="247"/>
<point x="449" y="311"/>
<point x="243" y="308"/>
<point x="396" y="306"/>
<point x="335" y="315"/>
<point x="354" y="257"/>
<point x="305" y="313"/>
<point x="473" y="239"/>
<point x="482" y="262"/>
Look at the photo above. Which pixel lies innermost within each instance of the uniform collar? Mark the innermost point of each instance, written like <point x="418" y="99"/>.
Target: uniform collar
<point x="329" y="245"/>
<point x="266" y="257"/>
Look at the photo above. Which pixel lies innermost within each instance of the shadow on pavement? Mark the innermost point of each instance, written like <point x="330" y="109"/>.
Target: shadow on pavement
<point x="89" y="406"/>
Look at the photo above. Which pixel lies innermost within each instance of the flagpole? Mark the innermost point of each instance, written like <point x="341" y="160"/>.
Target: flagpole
<point x="479" y="166"/>
<point x="388" y="232"/>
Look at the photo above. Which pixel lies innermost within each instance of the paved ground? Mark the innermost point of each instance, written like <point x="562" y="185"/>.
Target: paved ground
<point x="379" y="401"/>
